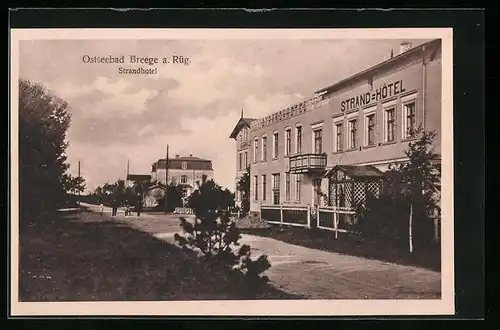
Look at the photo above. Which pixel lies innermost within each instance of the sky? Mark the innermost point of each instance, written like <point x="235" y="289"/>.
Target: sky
<point x="193" y="108"/>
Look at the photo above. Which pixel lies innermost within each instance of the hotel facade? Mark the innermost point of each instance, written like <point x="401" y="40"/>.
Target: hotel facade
<point x="353" y="128"/>
<point x="188" y="171"/>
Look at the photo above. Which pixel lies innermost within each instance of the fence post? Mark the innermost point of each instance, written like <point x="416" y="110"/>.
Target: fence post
<point x="309" y="216"/>
<point x="281" y="213"/>
<point x="316" y="210"/>
<point x="335" y="224"/>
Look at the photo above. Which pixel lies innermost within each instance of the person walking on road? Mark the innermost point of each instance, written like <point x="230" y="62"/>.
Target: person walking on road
<point x="139" y="206"/>
<point x="114" y="206"/>
<point x="101" y="208"/>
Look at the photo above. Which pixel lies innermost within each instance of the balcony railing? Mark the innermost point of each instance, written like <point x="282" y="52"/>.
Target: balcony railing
<point x="307" y="163"/>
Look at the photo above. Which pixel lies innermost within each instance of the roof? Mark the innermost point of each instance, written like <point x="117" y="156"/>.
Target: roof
<point x="138" y="177"/>
<point x="239" y="125"/>
<point x="381" y="66"/>
<point x="192" y="163"/>
<point x="358" y="171"/>
<point x="156" y="186"/>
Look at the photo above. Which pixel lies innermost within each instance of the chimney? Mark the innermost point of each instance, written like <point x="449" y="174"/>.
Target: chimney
<point x="404" y="46"/>
<point x="177" y="156"/>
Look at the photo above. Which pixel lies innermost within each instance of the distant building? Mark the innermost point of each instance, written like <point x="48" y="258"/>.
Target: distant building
<point x="189" y="171"/>
<point x="138" y="177"/>
<point x="154" y="194"/>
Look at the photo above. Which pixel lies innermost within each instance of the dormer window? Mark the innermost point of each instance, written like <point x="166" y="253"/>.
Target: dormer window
<point x="184" y="165"/>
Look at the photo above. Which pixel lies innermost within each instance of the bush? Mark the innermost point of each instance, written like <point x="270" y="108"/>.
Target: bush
<point x="243" y="186"/>
<point x="384" y="218"/>
<point x="415" y="185"/>
<point x="215" y="236"/>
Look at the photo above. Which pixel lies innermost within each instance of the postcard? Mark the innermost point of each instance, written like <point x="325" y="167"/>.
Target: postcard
<point x="223" y="172"/>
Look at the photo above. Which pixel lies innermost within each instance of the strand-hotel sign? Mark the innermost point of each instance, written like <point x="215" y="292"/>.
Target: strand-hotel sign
<point x="385" y="91"/>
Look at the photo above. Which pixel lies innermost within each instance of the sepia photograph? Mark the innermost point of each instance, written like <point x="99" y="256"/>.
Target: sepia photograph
<point x="231" y="172"/>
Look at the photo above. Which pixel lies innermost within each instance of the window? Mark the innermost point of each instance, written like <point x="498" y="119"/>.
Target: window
<point x="389" y="125"/>
<point x="338" y="137"/>
<point x="255" y="150"/>
<point x="184" y="166"/>
<point x="409" y="110"/>
<point x="287" y="186"/>
<point x="240" y="161"/>
<point x="370" y="129"/>
<point x="256" y="186"/>
<point x="245" y="134"/>
<point x="288" y="142"/>
<point x="298" y="145"/>
<point x="353" y="133"/>
<point x="184" y="179"/>
<point x="297" y="186"/>
<point x="264" y="149"/>
<point x="246" y="159"/>
<point x="275" y="145"/>
<point x="276" y="188"/>
<point x="318" y="141"/>
<point x="264" y="183"/>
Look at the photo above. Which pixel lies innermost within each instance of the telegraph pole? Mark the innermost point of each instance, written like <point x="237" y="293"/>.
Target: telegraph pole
<point x="79" y="178"/>
<point x="166" y="180"/>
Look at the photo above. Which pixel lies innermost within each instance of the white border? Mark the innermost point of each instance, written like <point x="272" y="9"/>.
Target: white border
<point x="445" y="305"/>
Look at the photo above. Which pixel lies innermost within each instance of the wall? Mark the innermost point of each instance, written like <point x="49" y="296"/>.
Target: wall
<point x="410" y="73"/>
<point x="192" y="175"/>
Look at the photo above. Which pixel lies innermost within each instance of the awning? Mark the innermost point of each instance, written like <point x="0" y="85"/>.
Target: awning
<point x="357" y="171"/>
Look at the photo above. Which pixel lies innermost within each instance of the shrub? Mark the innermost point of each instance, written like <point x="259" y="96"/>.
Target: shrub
<point x="243" y="186"/>
<point x="412" y="185"/>
<point x="214" y="235"/>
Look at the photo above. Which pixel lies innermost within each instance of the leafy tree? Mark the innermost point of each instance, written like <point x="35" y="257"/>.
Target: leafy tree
<point x="411" y="193"/>
<point x="213" y="234"/>
<point x="210" y="197"/>
<point x="175" y="193"/>
<point x="73" y="184"/>
<point x="43" y="123"/>
<point x="419" y="179"/>
<point x="243" y="186"/>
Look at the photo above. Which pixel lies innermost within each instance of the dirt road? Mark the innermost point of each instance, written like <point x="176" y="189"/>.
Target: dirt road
<point x="318" y="274"/>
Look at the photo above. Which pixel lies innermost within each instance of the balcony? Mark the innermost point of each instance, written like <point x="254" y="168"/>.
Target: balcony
<point x="307" y="163"/>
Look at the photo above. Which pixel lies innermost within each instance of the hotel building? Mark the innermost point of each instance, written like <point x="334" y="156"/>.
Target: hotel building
<point x="358" y="125"/>
<point x="189" y="171"/>
<point x="241" y="133"/>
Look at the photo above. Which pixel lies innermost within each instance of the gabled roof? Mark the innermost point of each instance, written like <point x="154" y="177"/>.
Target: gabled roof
<point x="138" y="177"/>
<point x="243" y="122"/>
<point x="358" y="171"/>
